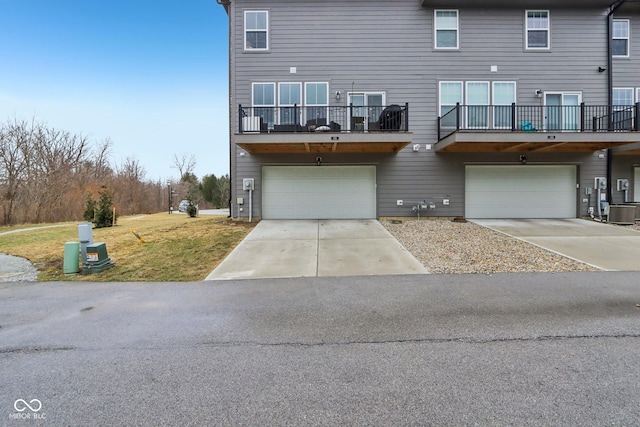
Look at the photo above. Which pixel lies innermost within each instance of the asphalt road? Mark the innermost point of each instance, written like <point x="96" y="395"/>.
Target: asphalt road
<point x="508" y="349"/>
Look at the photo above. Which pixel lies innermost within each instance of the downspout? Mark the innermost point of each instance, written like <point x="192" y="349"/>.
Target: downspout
<point x="612" y="10"/>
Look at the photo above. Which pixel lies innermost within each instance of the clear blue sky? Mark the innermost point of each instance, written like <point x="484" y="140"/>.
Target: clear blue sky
<point x="151" y="75"/>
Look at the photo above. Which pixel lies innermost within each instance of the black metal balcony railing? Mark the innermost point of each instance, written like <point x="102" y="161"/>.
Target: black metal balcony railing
<point x="539" y="118"/>
<point x="392" y="118"/>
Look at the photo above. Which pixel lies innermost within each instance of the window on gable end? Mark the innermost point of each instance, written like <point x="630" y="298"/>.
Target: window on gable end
<point x="446" y="29"/>
<point x="620" y="39"/>
<point x="256" y="30"/>
<point x="538" y="29"/>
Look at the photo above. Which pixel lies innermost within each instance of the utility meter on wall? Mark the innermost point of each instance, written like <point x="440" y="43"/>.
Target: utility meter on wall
<point x="247" y="184"/>
<point x="600" y="183"/>
<point x="623" y="184"/>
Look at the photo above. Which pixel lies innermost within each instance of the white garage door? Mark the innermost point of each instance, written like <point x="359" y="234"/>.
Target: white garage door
<point x="523" y="191"/>
<point x="318" y="192"/>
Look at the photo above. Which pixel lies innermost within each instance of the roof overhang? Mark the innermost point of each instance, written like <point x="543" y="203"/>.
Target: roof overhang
<point x="533" y="4"/>
<point x="329" y="142"/>
<point x="560" y="142"/>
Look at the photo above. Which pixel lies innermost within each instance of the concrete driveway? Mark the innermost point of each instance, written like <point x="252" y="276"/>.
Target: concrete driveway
<point x="603" y="246"/>
<point x="307" y="248"/>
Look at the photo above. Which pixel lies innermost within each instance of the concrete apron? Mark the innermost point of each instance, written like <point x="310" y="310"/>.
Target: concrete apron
<point x="604" y="246"/>
<point x="304" y="248"/>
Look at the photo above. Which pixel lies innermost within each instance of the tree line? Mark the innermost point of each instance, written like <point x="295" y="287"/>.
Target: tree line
<point x="47" y="174"/>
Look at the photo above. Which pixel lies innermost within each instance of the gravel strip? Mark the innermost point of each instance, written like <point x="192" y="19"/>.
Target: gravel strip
<point x="444" y="246"/>
<point x="16" y="269"/>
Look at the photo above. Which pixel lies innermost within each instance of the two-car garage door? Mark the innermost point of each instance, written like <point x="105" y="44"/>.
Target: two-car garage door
<point x="520" y="191"/>
<point x="318" y="192"/>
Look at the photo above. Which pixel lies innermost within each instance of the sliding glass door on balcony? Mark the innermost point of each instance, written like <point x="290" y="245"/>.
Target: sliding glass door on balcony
<point x="366" y="110"/>
<point x="562" y="111"/>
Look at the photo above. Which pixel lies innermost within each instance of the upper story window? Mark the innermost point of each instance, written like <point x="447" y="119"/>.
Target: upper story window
<point x="538" y="29"/>
<point x="620" y="41"/>
<point x="263" y="100"/>
<point x="487" y="104"/>
<point x="446" y="29"/>
<point x="256" y="30"/>
<point x="477" y="104"/>
<point x="504" y="94"/>
<point x="622" y="96"/>
<point x="450" y="94"/>
<point x="317" y="100"/>
<point x="289" y="100"/>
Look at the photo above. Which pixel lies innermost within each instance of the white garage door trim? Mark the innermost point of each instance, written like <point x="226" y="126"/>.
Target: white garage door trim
<point x="319" y="192"/>
<point x="520" y="191"/>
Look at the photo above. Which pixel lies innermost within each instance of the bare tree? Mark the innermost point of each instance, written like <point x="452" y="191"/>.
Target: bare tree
<point x="185" y="164"/>
<point x="46" y="175"/>
<point x="57" y="156"/>
<point x="101" y="167"/>
<point x="129" y="188"/>
<point x="15" y="141"/>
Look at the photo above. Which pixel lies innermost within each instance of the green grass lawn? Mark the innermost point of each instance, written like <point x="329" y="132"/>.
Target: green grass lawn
<point x="175" y="248"/>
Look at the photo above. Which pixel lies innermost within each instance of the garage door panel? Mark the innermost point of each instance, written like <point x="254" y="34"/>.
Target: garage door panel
<point x="327" y="192"/>
<point x="545" y="191"/>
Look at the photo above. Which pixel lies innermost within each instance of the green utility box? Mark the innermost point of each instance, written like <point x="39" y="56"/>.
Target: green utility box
<point x="97" y="259"/>
<point x="71" y="255"/>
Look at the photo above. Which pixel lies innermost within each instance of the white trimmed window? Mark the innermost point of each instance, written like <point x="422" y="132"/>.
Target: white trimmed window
<point x="256" y="30"/>
<point x="450" y="94"/>
<point x="620" y="40"/>
<point x="477" y="105"/>
<point x="538" y="29"/>
<point x="316" y="100"/>
<point x="446" y="29"/>
<point x="623" y="110"/>
<point x="263" y="101"/>
<point x="504" y="94"/>
<point x="289" y="101"/>
<point x="622" y="96"/>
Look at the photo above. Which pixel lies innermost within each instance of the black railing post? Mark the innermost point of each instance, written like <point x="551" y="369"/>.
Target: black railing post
<point x="439" y="120"/>
<point x="636" y="125"/>
<point x="406" y="117"/>
<point x="610" y="119"/>
<point x="240" y="115"/>
<point x="594" y="124"/>
<point x="457" y="116"/>
<point x="513" y="117"/>
<point x="582" y="117"/>
<point x="350" y="118"/>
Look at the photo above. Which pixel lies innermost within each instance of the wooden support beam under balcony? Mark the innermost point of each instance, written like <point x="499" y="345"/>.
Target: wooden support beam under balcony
<point x="504" y="141"/>
<point x="323" y="142"/>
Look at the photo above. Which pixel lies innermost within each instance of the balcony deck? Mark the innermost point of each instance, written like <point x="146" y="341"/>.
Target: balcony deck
<point x="537" y="128"/>
<point x="335" y="129"/>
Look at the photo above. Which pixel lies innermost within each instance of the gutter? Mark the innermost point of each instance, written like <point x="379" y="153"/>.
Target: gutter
<point x="225" y="4"/>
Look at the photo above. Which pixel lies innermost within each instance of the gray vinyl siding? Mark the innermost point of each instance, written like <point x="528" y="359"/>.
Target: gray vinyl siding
<point x="388" y="46"/>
